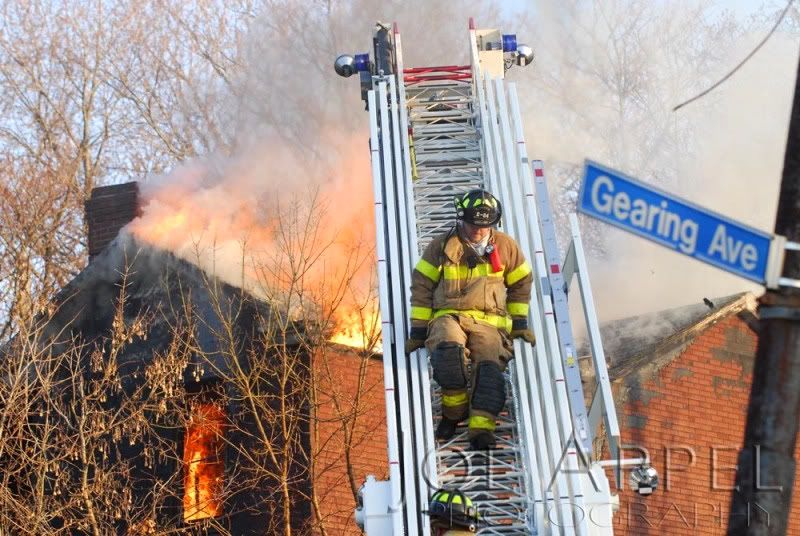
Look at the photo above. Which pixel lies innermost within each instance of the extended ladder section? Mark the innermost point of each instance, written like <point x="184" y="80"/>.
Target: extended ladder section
<point x="436" y="132"/>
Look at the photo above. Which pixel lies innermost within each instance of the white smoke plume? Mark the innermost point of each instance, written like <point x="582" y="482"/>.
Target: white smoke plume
<point x="607" y="80"/>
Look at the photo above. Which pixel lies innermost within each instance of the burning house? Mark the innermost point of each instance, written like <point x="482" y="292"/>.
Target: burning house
<point x="160" y="397"/>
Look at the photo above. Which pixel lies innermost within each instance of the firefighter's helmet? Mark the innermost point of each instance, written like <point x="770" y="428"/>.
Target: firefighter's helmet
<point x="478" y="207"/>
<point x="451" y="509"/>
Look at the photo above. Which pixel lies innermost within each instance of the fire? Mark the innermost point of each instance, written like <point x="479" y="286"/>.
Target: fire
<point x="203" y="463"/>
<point x="283" y="226"/>
<point x="359" y="329"/>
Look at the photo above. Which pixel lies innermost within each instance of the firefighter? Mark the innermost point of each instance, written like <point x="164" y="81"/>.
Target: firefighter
<point x="470" y="294"/>
<point x="452" y="514"/>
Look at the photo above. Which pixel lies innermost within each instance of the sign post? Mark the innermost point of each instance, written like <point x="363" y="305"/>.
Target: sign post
<point x="677" y="224"/>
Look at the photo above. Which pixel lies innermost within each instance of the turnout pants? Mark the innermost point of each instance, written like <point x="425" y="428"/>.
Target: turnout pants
<point x="452" y="340"/>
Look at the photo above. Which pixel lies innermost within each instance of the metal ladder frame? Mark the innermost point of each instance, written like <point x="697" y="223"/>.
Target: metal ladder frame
<point x="544" y="407"/>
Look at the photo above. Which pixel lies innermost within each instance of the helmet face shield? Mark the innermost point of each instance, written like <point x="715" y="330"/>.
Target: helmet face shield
<point x="478" y="208"/>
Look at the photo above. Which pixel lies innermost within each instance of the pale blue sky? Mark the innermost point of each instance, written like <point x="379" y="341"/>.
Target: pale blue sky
<point x="742" y="8"/>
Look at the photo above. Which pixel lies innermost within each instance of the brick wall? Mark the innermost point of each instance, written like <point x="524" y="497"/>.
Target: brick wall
<point x="690" y="416"/>
<point x="108" y="210"/>
<point x="350" y="401"/>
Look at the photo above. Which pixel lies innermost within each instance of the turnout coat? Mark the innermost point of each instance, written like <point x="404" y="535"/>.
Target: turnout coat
<point x="451" y="278"/>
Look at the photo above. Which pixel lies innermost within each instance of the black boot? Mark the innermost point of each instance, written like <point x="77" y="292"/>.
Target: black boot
<point x="483" y="440"/>
<point x="446" y="429"/>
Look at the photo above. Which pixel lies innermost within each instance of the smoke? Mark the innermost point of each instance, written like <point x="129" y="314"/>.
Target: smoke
<point x="291" y="195"/>
<point x="603" y="85"/>
<point x="605" y="89"/>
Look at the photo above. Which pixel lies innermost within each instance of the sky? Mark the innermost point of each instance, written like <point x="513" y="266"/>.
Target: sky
<point x="742" y="8"/>
<point x="734" y="166"/>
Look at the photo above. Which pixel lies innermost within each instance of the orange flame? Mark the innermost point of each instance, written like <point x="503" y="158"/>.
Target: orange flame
<point x="359" y="329"/>
<point x="203" y="463"/>
<point x="230" y="216"/>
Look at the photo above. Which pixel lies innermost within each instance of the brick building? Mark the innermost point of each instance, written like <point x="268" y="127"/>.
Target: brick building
<point x="346" y="434"/>
<point x="681" y="384"/>
<point x="350" y="439"/>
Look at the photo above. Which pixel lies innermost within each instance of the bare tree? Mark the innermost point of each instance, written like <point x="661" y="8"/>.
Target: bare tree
<point x="604" y="84"/>
<point x="72" y="437"/>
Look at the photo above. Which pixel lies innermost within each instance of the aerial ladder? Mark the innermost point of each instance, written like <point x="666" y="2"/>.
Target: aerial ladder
<point x="436" y="132"/>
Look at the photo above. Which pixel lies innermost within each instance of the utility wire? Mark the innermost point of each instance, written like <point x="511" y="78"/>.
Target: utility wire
<point x="745" y="60"/>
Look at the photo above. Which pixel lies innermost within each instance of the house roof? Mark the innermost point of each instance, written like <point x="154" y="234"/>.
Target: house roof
<point x="654" y="339"/>
<point x="167" y="290"/>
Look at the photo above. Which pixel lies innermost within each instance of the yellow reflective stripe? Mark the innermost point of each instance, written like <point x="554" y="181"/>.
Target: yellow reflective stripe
<point x="444" y="497"/>
<point x="516" y="309"/>
<point x="518" y="273"/>
<point x="464" y="272"/>
<point x="428" y="270"/>
<point x="421" y="313"/>
<point x="481" y="422"/>
<point x="454" y="400"/>
<point x="500" y="322"/>
<point x="477" y="202"/>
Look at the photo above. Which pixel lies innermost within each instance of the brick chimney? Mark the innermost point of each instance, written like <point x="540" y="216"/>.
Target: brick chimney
<point x="108" y="210"/>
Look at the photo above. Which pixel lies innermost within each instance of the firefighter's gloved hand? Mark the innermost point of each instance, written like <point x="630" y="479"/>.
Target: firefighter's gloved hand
<point x="413" y="345"/>
<point x="519" y="330"/>
<point x="416" y="339"/>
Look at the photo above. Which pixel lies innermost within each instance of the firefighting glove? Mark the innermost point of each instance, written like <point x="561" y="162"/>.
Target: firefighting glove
<point x="416" y="339"/>
<point x="519" y="330"/>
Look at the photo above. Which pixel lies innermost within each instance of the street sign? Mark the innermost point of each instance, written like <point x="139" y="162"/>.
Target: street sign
<point x="641" y="209"/>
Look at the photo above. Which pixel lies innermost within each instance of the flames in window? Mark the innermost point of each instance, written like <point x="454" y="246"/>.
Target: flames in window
<point x="203" y="461"/>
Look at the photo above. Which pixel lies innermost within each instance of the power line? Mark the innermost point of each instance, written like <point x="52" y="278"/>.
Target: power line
<point x="741" y="63"/>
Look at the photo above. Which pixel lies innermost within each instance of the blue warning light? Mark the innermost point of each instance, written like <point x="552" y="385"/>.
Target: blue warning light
<point x="509" y="42"/>
<point x="362" y="62"/>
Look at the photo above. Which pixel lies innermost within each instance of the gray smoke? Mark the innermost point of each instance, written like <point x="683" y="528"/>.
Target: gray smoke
<point x="607" y="79"/>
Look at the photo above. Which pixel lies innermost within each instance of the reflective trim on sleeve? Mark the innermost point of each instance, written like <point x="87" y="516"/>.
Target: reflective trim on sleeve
<point x="518" y="309"/>
<point x="518" y="273"/>
<point x="421" y="313"/>
<point x="480" y="422"/>
<point x="428" y="270"/>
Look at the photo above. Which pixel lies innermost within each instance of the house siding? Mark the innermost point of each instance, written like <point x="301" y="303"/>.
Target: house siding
<point x="337" y="407"/>
<point x="690" y="416"/>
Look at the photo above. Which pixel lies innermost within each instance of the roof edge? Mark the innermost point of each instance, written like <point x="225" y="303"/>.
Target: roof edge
<point x="671" y="347"/>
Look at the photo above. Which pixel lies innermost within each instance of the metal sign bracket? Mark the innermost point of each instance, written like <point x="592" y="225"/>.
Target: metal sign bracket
<point x="777" y="254"/>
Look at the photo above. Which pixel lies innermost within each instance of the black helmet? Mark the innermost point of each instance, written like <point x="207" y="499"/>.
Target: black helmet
<point x="451" y="509"/>
<point x="478" y="207"/>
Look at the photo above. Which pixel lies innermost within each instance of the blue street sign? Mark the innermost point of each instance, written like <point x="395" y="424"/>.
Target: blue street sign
<point x="629" y="204"/>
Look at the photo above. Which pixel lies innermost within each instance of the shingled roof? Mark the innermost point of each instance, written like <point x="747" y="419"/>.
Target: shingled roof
<point x="155" y="283"/>
<point x="654" y="339"/>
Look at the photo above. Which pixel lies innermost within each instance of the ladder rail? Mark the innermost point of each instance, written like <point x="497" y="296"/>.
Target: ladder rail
<point x="520" y="367"/>
<point x="541" y="367"/>
<point x="571" y="410"/>
<point x="524" y="353"/>
<point x="387" y="335"/>
<point x="399" y="311"/>
<point x="547" y="456"/>
<point x="417" y="422"/>
<point x="426" y="443"/>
